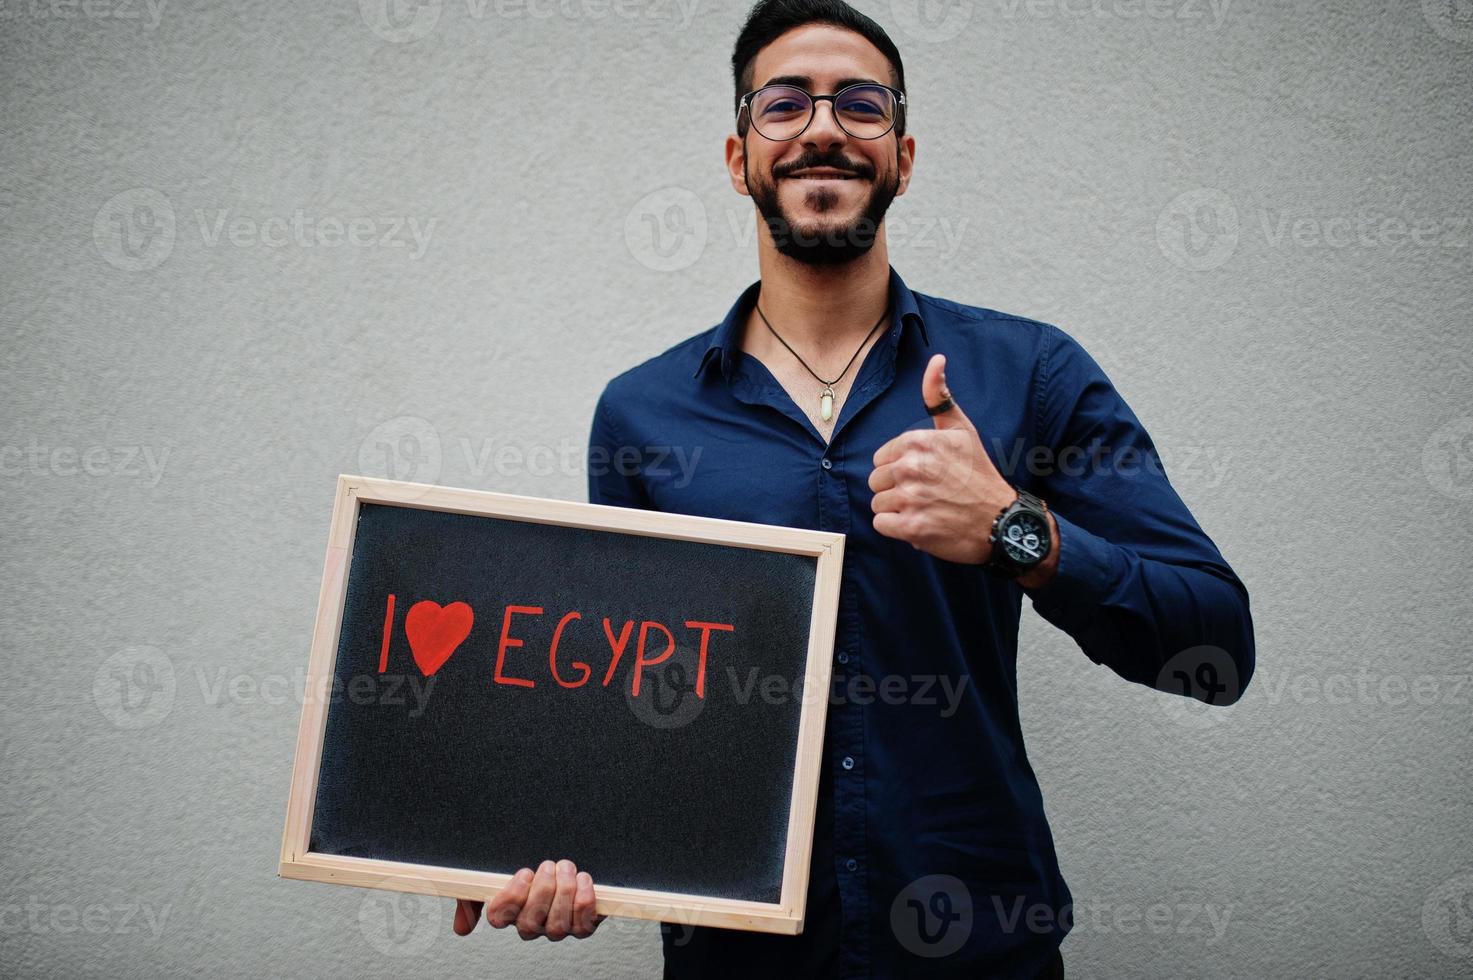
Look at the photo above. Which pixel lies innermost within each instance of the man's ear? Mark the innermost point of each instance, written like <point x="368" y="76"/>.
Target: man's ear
<point x="736" y="159"/>
<point x="905" y="158"/>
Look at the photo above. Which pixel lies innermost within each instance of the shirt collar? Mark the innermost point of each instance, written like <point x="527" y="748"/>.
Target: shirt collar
<point x="724" y="340"/>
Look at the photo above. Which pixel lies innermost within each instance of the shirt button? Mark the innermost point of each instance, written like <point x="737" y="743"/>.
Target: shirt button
<point x="843" y="657"/>
<point x="848" y="762"/>
<point x="827" y="464"/>
<point x="852" y="864"/>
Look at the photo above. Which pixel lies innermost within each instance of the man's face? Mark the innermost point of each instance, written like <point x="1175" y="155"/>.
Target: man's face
<point x="821" y="221"/>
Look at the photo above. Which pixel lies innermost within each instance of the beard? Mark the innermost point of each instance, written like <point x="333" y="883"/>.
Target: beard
<point x="818" y="245"/>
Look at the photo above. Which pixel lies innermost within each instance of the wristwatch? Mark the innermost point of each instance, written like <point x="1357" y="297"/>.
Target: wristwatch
<point x="1020" y="537"/>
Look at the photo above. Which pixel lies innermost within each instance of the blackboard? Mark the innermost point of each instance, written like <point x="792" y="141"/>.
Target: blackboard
<point x="501" y="679"/>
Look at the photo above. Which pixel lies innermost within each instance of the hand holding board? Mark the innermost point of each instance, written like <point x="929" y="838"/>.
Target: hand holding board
<point x="482" y="659"/>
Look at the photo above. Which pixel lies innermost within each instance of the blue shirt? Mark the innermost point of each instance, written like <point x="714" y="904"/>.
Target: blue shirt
<point x="931" y="850"/>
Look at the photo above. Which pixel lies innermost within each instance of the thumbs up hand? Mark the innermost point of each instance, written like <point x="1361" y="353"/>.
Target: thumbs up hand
<point x="937" y="488"/>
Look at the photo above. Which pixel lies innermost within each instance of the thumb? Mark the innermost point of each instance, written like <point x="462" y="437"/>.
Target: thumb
<point x="467" y="914"/>
<point x="935" y="393"/>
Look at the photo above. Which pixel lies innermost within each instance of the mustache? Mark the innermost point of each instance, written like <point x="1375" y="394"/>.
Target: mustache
<point x="861" y="169"/>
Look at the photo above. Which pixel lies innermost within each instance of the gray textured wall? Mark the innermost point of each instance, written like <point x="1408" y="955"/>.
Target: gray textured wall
<point x="249" y="246"/>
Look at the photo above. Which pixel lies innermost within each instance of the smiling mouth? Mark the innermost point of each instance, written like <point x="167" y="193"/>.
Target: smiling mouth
<point x="822" y="175"/>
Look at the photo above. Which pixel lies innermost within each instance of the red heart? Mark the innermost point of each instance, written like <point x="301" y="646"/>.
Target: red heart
<point x="434" y="633"/>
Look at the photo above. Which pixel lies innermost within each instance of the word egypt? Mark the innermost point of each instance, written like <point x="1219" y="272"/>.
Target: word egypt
<point x="435" y="632"/>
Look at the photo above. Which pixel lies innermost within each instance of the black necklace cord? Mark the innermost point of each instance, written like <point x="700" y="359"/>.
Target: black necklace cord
<point x="883" y="317"/>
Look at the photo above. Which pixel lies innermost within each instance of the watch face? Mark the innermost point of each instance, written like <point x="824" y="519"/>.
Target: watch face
<point x="1025" y="538"/>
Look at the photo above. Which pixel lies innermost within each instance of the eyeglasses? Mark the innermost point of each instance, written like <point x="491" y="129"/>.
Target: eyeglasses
<point x="865" y="111"/>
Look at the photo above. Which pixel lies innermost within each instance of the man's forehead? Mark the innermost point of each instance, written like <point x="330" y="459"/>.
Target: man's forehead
<point x="820" y="57"/>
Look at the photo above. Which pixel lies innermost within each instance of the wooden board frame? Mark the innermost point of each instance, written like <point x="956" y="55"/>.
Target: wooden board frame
<point x="783" y="917"/>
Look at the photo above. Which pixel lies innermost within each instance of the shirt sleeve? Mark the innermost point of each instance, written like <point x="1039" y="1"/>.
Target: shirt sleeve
<point x="613" y="466"/>
<point x="1140" y="587"/>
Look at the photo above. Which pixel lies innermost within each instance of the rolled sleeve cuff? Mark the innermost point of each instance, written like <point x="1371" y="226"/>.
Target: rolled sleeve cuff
<point x="1089" y="568"/>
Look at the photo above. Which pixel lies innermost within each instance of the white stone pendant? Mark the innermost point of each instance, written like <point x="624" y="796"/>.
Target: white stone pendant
<point x="826" y="404"/>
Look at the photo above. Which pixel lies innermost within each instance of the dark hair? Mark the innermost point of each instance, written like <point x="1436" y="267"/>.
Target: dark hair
<point x="770" y="19"/>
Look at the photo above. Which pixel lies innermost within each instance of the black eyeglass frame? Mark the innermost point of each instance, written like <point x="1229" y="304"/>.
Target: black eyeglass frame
<point x="814" y="100"/>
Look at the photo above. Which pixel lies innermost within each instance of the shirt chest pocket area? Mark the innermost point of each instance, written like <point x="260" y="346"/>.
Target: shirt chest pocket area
<point x="738" y="482"/>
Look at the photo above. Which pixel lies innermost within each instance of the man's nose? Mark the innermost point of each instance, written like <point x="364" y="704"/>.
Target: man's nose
<point x="824" y="130"/>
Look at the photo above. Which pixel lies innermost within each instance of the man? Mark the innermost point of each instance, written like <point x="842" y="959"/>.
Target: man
<point x="971" y="458"/>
